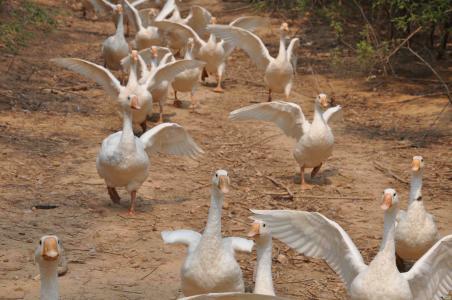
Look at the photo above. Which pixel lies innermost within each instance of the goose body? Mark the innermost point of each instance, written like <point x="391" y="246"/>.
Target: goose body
<point x="210" y="265"/>
<point x="314" y="141"/>
<point x="416" y="231"/>
<point x="279" y="71"/>
<point x="312" y="234"/>
<point x="115" y="47"/>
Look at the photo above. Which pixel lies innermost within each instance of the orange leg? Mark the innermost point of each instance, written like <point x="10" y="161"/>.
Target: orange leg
<point x="304" y="185"/>
<point x="177" y="103"/>
<point x="269" y="95"/>
<point x="133" y="196"/>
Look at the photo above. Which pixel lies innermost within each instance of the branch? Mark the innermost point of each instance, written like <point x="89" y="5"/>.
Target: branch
<point x="402" y="43"/>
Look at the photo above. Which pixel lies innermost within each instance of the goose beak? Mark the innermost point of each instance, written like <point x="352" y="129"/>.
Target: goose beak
<point x="415" y="165"/>
<point x="50" y="250"/>
<point x="223" y="184"/>
<point x="154" y="52"/>
<point x="254" y="230"/>
<point x="324" y="103"/>
<point x="213" y="20"/>
<point x="119" y="9"/>
<point x="387" y="202"/>
<point x="134" y="55"/>
<point x="134" y="103"/>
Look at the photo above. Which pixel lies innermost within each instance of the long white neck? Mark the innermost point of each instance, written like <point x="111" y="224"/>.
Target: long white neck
<point x="318" y="114"/>
<point x="120" y="26"/>
<point x="127" y="136"/>
<point x="49" y="280"/>
<point x="213" y="227"/>
<point x="133" y="77"/>
<point x="387" y="244"/>
<point x="282" y="47"/>
<point x="189" y="53"/>
<point x="415" y="186"/>
<point x="264" y="281"/>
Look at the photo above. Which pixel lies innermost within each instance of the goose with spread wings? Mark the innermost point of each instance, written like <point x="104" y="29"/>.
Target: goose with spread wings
<point x="315" y="140"/>
<point x="314" y="235"/>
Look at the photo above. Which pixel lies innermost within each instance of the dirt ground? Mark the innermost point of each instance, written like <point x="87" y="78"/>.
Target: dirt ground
<point x="52" y="123"/>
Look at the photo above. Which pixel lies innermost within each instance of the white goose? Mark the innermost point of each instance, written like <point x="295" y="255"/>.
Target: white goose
<point x="314" y="141"/>
<point x="210" y="265"/>
<point x="212" y="52"/>
<point x="47" y="256"/>
<point x="123" y="159"/>
<point x="416" y="230"/>
<point x="115" y="47"/>
<point x="279" y="71"/>
<point x="142" y="90"/>
<point x="312" y="234"/>
<point x="148" y="36"/>
<point x="233" y="296"/>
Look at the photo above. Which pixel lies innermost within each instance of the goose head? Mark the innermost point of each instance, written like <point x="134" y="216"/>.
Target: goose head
<point x="190" y="43"/>
<point x="417" y="164"/>
<point x="259" y="230"/>
<point x="213" y="21"/>
<point x="284" y="29"/>
<point x="48" y="250"/>
<point x="118" y="9"/>
<point x="153" y="12"/>
<point x="322" y="101"/>
<point x="390" y="200"/>
<point x="220" y="182"/>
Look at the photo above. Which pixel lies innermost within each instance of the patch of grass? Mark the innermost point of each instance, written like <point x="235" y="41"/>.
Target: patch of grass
<point x="21" y="18"/>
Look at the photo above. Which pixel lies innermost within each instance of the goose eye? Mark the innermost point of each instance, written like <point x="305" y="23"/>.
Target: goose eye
<point x="40" y="242"/>
<point x="128" y="97"/>
<point x="216" y="175"/>
<point x="263" y="225"/>
<point x="394" y="194"/>
<point x="422" y="160"/>
<point x="59" y="242"/>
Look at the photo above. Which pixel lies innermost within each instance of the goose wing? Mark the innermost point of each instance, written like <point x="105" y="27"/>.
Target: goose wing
<point x="250" y="23"/>
<point x="233" y="296"/>
<point x="182" y="30"/>
<point x="167" y="9"/>
<point x="146" y="54"/>
<point x="312" y="234"/>
<point x="198" y="19"/>
<point x="103" y="6"/>
<point x="332" y="114"/>
<point x="286" y="115"/>
<point x="90" y="70"/>
<point x="238" y="244"/>
<point x="245" y="40"/>
<point x="133" y="15"/>
<point x="291" y="55"/>
<point x="170" y="138"/>
<point x="431" y="276"/>
<point x="187" y="237"/>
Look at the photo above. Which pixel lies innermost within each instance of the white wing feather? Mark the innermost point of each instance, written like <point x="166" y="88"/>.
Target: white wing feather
<point x="233" y="296"/>
<point x="431" y="276"/>
<point x="287" y="116"/>
<point x="250" y="23"/>
<point x="170" y="138"/>
<point x="239" y="244"/>
<point x="182" y="30"/>
<point x="312" y="234"/>
<point x="187" y="237"/>
<point x="90" y="70"/>
<point x="167" y="9"/>
<point x="291" y="55"/>
<point x="332" y="114"/>
<point x="146" y="54"/>
<point x="245" y="40"/>
<point x="103" y="6"/>
<point x="133" y="15"/>
<point x="198" y="19"/>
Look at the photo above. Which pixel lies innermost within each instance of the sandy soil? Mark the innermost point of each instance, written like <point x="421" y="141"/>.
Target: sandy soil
<point x="52" y="123"/>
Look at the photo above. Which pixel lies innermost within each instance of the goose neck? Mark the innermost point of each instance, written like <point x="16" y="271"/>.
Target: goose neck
<point x="133" y="78"/>
<point x="213" y="227"/>
<point x="127" y="136"/>
<point x="388" y="244"/>
<point x="282" y="47"/>
<point x="318" y="114"/>
<point x="120" y="25"/>
<point x="49" y="281"/>
<point x="415" y="186"/>
<point x="264" y="280"/>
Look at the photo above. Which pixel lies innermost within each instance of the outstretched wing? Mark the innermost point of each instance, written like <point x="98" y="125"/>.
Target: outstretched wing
<point x="90" y="70"/>
<point x="103" y="6"/>
<point x="245" y="40"/>
<point x="182" y="30"/>
<point x="187" y="237"/>
<point x="286" y="115"/>
<point x="170" y="138"/>
<point x="238" y="244"/>
<point x="233" y="296"/>
<point x="291" y="55"/>
<point x="167" y="9"/>
<point x="169" y="71"/>
<point x="312" y="234"/>
<point x="146" y="54"/>
<point x="332" y="114"/>
<point x="133" y="15"/>
<point x="198" y="19"/>
<point x="250" y="23"/>
<point x="431" y="276"/>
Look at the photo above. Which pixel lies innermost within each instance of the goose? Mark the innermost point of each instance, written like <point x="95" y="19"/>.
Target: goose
<point x="314" y="140"/>
<point x="115" y="47"/>
<point x="312" y="234"/>
<point x="212" y="52"/>
<point x="187" y="80"/>
<point x="416" y="230"/>
<point x="279" y="71"/>
<point x="210" y="265"/>
<point x="142" y="90"/>
<point x="123" y="159"/>
<point x="232" y="296"/>
<point x="148" y="36"/>
<point x="47" y="256"/>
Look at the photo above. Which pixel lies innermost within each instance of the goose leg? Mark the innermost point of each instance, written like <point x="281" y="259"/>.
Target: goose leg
<point x="193" y="102"/>
<point x="269" y="95"/>
<point x="304" y="185"/>
<point x="177" y="103"/>
<point x="204" y="74"/>
<point x="133" y="196"/>
<point x="113" y="195"/>
<point x="315" y="170"/>
<point x="219" y="89"/>
<point x="143" y="126"/>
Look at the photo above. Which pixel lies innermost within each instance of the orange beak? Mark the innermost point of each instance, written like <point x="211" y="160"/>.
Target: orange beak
<point x="254" y="230"/>
<point x="134" y="103"/>
<point x="213" y="20"/>
<point x="119" y="9"/>
<point x="134" y="55"/>
<point x="387" y="202"/>
<point x="154" y="52"/>
<point x="223" y="184"/>
<point x="415" y="165"/>
<point x="50" y="250"/>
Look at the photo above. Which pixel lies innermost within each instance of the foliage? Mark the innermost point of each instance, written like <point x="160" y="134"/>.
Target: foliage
<point x="15" y="29"/>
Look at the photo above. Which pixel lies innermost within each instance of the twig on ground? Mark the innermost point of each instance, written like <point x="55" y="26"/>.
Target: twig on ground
<point x="264" y="140"/>
<point x="152" y="271"/>
<point x="386" y="171"/>
<point x="337" y="197"/>
<point x="279" y="184"/>
<point x="417" y="97"/>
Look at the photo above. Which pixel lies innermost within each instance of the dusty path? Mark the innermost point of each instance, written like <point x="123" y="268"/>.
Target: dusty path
<point x="52" y="123"/>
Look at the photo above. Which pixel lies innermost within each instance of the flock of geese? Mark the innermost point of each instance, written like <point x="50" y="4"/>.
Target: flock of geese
<point x="413" y="261"/>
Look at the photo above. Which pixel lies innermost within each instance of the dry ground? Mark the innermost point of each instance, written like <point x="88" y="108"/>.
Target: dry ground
<point x="52" y="123"/>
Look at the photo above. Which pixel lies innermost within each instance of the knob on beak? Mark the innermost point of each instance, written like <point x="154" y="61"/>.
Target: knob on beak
<point x="223" y="184"/>
<point x="254" y="230"/>
<point x="415" y="165"/>
<point x="50" y="249"/>
<point x="387" y="202"/>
